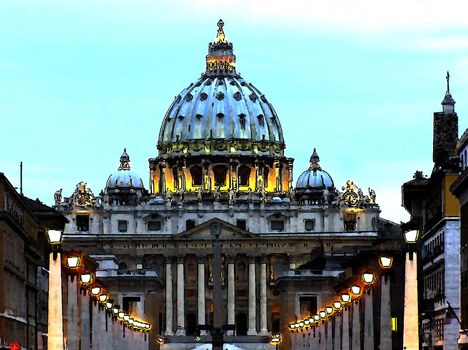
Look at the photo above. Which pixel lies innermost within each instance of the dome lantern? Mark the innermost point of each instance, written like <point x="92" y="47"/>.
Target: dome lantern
<point x="220" y="59"/>
<point x="448" y="104"/>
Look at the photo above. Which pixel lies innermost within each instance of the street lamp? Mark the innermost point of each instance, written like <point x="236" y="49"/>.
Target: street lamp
<point x="385" y="261"/>
<point x="55" y="312"/>
<point x="355" y="290"/>
<point x="368" y="277"/>
<point x="345" y="298"/>
<point x="86" y="278"/>
<point x="103" y="298"/>
<point x="329" y="310"/>
<point x="73" y="262"/>
<point x="322" y="314"/>
<point x="411" y="237"/>
<point x="337" y="305"/>
<point x="95" y="291"/>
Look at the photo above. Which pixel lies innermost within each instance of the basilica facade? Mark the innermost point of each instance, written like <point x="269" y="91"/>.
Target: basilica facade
<point x="286" y="246"/>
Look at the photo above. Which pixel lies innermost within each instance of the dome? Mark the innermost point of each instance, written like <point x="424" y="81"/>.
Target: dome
<point x="221" y="112"/>
<point x="124" y="178"/>
<point x="314" y="178"/>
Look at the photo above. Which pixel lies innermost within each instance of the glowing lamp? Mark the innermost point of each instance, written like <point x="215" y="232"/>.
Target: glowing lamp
<point x="126" y="318"/>
<point x="54" y="236"/>
<point x="103" y="297"/>
<point x="322" y="314"/>
<point x="108" y="305"/>
<point x="121" y="315"/>
<point x="316" y="318"/>
<point x="95" y="291"/>
<point x="85" y="278"/>
<point x="160" y="340"/>
<point x="411" y="237"/>
<point x="131" y="321"/>
<point x="368" y="277"/>
<point x="276" y="339"/>
<point x="356" y="290"/>
<point x="301" y="324"/>
<point x="345" y="297"/>
<point x="311" y="320"/>
<point x="385" y="261"/>
<point x="115" y="310"/>
<point x="337" y="305"/>
<point x="73" y="262"/>
<point x="306" y="322"/>
<point x="329" y="310"/>
<point x="292" y="325"/>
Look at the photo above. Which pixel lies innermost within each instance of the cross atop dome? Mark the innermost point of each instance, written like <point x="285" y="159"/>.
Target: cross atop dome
<point x="448" y="104"/>
<point x="220" y="60"/>
<point x="124" y="161"/>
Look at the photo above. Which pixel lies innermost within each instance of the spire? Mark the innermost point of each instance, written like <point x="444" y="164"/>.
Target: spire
<point x="220" y="59"/>
<point x="448" y="104"/>
<point x="124" y="161"/>
<point x="315" y="160"/>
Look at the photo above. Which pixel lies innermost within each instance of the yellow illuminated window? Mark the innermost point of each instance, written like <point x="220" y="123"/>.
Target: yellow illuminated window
<point x="394" y="324"/>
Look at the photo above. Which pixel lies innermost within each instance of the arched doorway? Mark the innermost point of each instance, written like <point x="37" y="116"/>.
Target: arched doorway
<point x="241" y="324"/>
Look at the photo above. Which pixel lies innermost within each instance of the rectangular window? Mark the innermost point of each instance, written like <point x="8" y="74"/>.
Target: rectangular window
<point x="277" y="225"/>
<point x="308" y="305"/>
<point x="394" y="324"/>
<point x="82" y="222"/>
<point x="309" y="225"/>
<point x="350" y="221"/>
<point x="122" y="225"/>
<point x="154" y="225"/>
<point x="189" y="224"/>
<point x="130" y="305"/>
<point x="242" y="224"/>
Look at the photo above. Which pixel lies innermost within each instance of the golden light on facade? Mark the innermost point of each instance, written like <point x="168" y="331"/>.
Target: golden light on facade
<point x="368" y="277"/>
<point x="109" y="305"/>
<point x="337" y="305"/>
<point x="385" y="261"/>
<point x="73" y="262"/>
<point x="115" y="310"/>
<point x="329" y="310"/>
<point x="306" y="322"/>
<point x="322" y="314"/>
<point x="126" y="318"/>
<point x="121" y="315"/>
<point x="103" y="298"/>
<point x="316" y="317"/>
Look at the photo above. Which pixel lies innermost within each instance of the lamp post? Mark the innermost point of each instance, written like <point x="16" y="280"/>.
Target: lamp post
<point x="385" y="262"/>
<point x="55" y="314"/>
<point x="410" y="315"/>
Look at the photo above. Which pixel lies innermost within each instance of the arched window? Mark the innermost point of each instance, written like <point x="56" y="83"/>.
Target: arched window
<point x="196" y="173"/>
<point x="219" y="172"/>
<point x="244" y="175"/>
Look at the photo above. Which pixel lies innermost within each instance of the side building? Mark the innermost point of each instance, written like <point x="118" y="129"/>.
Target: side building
<point x="434" y="212"/>
<point x="24" y="267"/>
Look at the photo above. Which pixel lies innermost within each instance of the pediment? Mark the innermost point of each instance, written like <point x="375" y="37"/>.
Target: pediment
<point x="204" y="231"/>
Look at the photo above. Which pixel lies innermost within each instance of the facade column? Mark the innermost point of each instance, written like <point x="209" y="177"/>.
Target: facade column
<point x="356" y="333"/>
<point x="231" y="310"/>
<point x="201" y="293"/>
<point x="84" y="317"/>
<point x="329" y="334"/>
<point x="169" y="302"/>
<point x="96" y="326"/>
<point x="345" y="344"/>
<point x="314" y="344"/>
<point x="73" y="340"/>
<point x="263" y="298"/>
<point x="385" y="315"/>
<point x="180" y="296"/>
<point x="368" y="321"/>
<point x="55" y="328"/>
<point x="337" y="335"/>
<point x="110" y="332"/>
<point x="410" y="313"/>
<point x="252" y="299"/>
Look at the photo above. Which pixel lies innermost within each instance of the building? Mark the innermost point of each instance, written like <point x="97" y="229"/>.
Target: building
<point x="460" y="190"/>
<point x="286" y="246"/>
<point x="23" y="267"/>
<point x="435" y="212"/>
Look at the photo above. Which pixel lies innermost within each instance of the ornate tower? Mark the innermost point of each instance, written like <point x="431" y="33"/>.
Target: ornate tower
<point x="445" y="133"/>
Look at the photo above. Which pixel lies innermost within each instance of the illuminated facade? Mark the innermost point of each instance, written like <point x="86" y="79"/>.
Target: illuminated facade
<point x="285" y="246"/>
<point x="435" y="212"/>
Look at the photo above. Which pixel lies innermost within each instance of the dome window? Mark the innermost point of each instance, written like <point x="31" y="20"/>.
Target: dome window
<point x="244" y="175"/>
<point x="196" y="173"/>
<point x="198" y="116"/>
<point x="203" y="96"/>
<point x="242" y="120"/>
<point x="181" y="117"/>
<point x="261" y="120"/>
<point x="189" y="97"/>
<point x="220" y="115"/>
<point x="208" y="82"/>
<point x="219" y="173"/>
<point x="220" y="95"/>
<point x="237" y="96"/>
<point x="253" y="97"/>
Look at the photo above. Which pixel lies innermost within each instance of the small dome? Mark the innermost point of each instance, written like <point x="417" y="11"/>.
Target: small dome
<point x="314" y="178"/>
<point x="124" y="178"/>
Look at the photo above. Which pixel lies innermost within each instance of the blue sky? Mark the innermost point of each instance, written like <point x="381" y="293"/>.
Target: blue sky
<point x="81" y="80"/>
